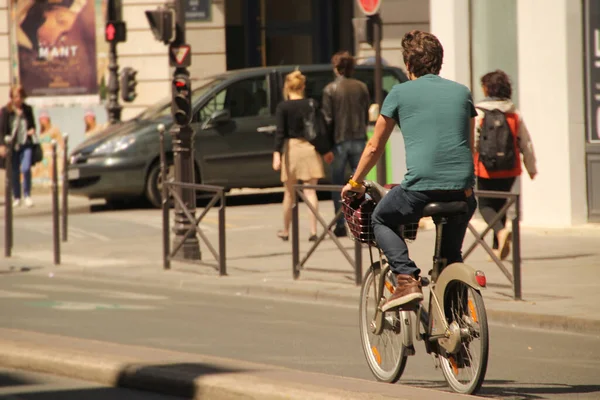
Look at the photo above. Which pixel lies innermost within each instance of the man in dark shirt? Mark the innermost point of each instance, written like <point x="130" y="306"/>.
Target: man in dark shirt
<point x="346" y="109"/>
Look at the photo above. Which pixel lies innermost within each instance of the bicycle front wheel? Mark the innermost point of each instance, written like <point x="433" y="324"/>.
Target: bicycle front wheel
<point x="465" y="369"/>
<point x="384" y="352"/>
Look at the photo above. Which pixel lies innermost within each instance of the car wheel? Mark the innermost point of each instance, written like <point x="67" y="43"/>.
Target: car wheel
<point x="154" y="183"/>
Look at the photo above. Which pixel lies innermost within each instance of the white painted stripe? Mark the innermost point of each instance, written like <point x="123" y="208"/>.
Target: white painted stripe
<point x="5" y="294"/>
<point x="87" y="233"/>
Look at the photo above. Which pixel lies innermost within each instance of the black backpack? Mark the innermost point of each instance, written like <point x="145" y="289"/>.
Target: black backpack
<point x="315" y="129"/>
<point x="496" y="142"/>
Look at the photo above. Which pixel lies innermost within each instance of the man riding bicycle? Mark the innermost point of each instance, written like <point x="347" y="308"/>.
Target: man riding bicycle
<point x="436" y="117"/>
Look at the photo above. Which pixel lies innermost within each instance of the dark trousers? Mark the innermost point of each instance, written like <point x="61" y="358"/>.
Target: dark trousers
<point x="346" y="153"/>
<point x="489" y="207"/>
<point x="401" y="206"/>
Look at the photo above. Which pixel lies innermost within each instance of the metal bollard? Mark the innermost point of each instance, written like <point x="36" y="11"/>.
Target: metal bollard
<point x="516" y="243"/>
<point x="165" y="199"/>
<point x="8" y="214"/>
<point x="55" y="211"/>
<point x="65" y="188"/>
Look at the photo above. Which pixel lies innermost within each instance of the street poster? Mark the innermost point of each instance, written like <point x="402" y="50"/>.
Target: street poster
<point x="592" y="68"/>
<point x="57" y="47"/>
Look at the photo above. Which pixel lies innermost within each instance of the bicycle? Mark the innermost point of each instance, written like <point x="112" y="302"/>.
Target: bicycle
<point x="453" y="321"/>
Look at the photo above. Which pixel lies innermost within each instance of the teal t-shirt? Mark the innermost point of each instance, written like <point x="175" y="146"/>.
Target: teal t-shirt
<point x="434" y="115"/>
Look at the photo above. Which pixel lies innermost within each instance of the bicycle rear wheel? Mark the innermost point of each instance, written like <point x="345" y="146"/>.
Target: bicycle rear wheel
<point x="385" y="354"/>
<point x="465" y="369"/>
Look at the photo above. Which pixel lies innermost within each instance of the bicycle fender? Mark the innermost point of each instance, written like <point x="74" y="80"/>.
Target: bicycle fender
<point x="457" y="272"/>
<point x="453" y="272"/>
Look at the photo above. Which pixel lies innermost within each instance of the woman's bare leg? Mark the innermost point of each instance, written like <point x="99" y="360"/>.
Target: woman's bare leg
<point x="288" y="202"/>
<point x="311" y="196"/>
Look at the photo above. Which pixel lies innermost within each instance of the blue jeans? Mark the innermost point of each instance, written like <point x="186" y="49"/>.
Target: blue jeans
<point x="401" y="206"/>
<point x="21" y="163"/>
<point x="346" y="152"/>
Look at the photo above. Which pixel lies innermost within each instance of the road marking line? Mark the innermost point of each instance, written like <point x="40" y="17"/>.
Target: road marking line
<point x="89" y="234"/>
<point x="20" y="295"/>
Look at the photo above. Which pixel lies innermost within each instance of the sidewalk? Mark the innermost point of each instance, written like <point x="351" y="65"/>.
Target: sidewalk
<point x="190" y="376"/>
<point x="560" y="268"/>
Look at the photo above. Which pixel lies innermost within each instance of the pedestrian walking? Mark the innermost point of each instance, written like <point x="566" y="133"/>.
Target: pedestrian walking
<point x="501" y="137"/>
<point x="17" y="122"/>
<point x="294" y="155"/>
<point x="346" y="104"/>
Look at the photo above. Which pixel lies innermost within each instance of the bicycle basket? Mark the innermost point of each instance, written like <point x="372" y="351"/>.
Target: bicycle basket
<point x="357" y="212"/>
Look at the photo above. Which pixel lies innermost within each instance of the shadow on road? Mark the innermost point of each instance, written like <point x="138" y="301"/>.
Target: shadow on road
<point x="149" y="382"/>
<point x="506" y="389"/>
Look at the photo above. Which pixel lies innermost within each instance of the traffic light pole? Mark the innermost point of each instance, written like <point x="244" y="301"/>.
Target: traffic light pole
<point x="183" y="154"/>
<point x="381" y="164"/>
<point x="113" y="108"/>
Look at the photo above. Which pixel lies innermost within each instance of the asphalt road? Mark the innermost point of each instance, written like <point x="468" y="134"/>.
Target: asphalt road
<point x="21" y="385"/>
<point x="524" y="364"/>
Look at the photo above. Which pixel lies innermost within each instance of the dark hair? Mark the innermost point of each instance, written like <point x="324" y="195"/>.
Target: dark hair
<point x="422" y="52"/>
<point x="343" y="62"/>
<point x="497" y="84"/>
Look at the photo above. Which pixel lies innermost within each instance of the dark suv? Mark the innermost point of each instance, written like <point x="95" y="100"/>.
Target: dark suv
<point x="234" y="123"/>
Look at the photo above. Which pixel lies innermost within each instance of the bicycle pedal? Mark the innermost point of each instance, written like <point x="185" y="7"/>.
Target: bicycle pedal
<point x="410" y="350"/>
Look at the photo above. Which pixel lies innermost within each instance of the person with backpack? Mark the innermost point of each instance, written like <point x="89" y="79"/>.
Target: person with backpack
<point x="501" y="137"/>
<point x="295" y="154"/>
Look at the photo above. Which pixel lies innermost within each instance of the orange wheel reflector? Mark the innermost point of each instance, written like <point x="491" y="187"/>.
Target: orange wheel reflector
<point x="453" y="364"/>
<point x="389" y="287"/>
<point x="376" y="354"/>
<point x="472" y="310"/>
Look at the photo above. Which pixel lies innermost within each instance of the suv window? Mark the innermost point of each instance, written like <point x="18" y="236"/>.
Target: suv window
<point x="316" y="82"/>
<point x="245" y="98"/>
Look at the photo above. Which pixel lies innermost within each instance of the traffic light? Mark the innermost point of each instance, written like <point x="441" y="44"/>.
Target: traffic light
<point x="364" y="27"/>
<point x="162" y="24"/>
<point x="181" y="106"/>
<point x="115" y="31"/>
<point x="128" y="84"/>
<point x="114" y="10"/>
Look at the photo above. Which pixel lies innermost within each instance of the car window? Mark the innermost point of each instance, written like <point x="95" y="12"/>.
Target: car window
<point x="245" y="98"/>
<point x="163" y="107"/>
<point x="389" y="80"/>
<point x="316" y="82"/>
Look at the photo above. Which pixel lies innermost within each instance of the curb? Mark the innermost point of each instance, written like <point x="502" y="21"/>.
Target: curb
<point x="194" y="376"/>
<point x="343" y="295"/>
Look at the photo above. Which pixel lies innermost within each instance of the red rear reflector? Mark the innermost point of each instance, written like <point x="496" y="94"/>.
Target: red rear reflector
<point x="480" y="277"/>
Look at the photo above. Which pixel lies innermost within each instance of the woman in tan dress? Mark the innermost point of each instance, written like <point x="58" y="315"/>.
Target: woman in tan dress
<point x="295" y="156"/>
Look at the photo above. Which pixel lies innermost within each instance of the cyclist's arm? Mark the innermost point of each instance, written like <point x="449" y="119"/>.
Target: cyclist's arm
<point x="375" y="147"/>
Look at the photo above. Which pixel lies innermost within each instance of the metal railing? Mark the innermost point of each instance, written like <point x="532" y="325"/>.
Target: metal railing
<point x="168" y="189"/>
<point x="297" y="263"/>
<point x="512" y="199"/>
<point x="56" y="224"/>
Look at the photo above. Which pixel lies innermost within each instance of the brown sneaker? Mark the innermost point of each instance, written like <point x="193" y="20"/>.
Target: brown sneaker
<point x="407" y="294"/>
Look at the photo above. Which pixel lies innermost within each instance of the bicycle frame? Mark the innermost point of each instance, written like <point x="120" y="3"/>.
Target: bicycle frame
<point x="432" y="318"/>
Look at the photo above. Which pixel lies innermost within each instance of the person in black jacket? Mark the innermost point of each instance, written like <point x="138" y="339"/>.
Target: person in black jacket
<point x="17" y="122"/>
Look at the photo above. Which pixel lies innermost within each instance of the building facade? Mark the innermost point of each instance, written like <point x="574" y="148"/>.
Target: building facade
<point x="554" y="71"/>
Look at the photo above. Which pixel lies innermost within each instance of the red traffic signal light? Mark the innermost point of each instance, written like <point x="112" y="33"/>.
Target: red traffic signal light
<point x="115" y="32"/>
<point x="181" y="105"/>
